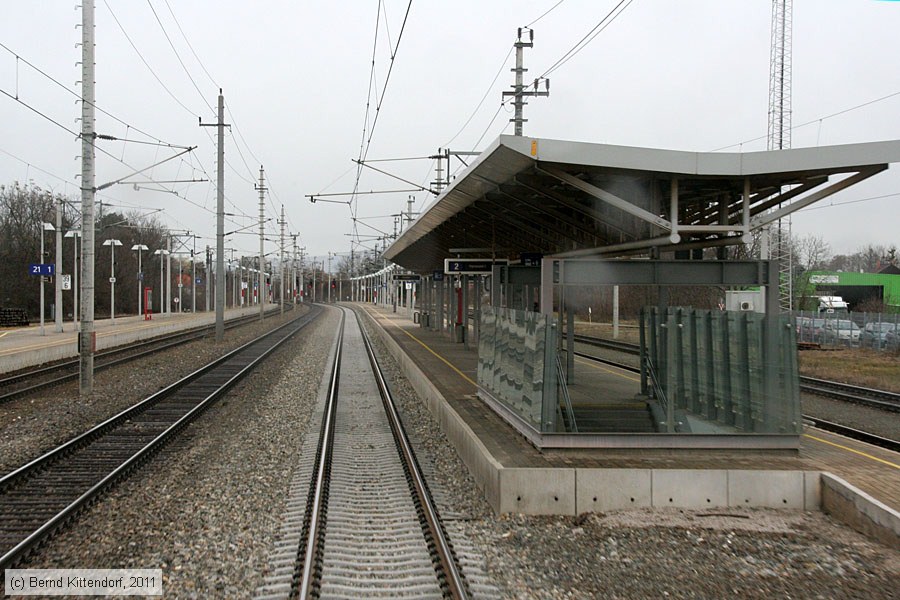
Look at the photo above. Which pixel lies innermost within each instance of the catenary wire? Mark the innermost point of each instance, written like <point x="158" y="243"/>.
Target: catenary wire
<point x="547" y="12"/>
<point x="146" y="64"/>
<point x="178" y="56"/>
<point x="79" y="97"/>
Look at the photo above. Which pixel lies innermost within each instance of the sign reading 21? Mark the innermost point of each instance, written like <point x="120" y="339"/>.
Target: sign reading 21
<point x="39" y="269"/>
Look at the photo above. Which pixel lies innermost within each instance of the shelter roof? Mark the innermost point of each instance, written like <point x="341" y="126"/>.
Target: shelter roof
<point x="563" y="198"/>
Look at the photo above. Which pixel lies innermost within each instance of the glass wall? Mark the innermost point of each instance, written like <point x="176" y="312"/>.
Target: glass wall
<point x="517" y="364"/>
<point x="721" y="371"/>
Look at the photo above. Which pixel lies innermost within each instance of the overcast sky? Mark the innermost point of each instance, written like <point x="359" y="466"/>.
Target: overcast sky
<point x="687" y="75"/>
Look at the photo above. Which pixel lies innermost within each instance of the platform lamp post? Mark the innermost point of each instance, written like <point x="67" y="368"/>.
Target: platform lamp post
<point x="112" y="277"/>
<point x="44" y="227"/>
<point x="162" y="253"/>
<point x="74" y="234"/>
<point x="140" y="275"/>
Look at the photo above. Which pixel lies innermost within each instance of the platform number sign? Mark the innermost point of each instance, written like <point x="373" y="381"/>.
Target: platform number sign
<point x="41" y="269"/>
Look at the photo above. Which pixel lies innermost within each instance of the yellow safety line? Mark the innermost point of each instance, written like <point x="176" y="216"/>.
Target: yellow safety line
<point x="589" y="363"/>
<point x="424" y="345"/>
<point x="3" y="333"/>
<point x="875" y="458"/>
<point x="35" y="346"/>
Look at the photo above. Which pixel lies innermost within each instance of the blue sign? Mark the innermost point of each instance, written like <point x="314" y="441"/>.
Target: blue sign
<point x="438" y="275"/>
<point x="198" y="281"/>
<point x="39" y="269"/>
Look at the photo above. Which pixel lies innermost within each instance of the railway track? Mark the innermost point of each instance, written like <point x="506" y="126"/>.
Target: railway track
<point x="872" y="398"/>
<point x="45" y="494"/>
<point x="826" y="425"/>
<point x="31" y="381"/>
<point x="369" y="528"/>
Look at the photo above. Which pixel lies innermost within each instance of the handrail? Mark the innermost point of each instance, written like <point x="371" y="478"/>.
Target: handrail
<point x="567" y="401"/>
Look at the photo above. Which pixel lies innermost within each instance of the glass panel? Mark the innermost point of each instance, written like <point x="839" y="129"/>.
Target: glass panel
<point x="517" y="363"/>
<point x="725" y="371"/>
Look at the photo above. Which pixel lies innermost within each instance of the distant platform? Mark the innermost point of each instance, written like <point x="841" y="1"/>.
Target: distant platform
<point x="22" y="347"/>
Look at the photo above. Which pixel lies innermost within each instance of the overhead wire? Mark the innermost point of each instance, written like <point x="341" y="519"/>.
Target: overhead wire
<point x="178" y="56"/>
<point x="547" y="12"/>
<point x="81" y="98"/>
<point x="611" y="16"/>
<point x="818" y="120"/>
<point x="146" y="64"/>
<point x="188" y="42"/>
<point x="483" y="98"/>
<point x="36" y="111"/>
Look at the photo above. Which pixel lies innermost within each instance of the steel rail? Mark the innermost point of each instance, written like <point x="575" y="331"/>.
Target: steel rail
<point x="314" y="530"/>
<point x="456" y="586"/>
<point x="856" y="434"/>
<point x="147" y="450"/>
<point x="167" y="341"/>
<point x="882" y="399"/>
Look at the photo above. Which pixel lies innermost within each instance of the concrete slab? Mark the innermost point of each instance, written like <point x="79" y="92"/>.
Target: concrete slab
<point x="537" y="491"/>
<point x="686" y="488"/>
<point x="602" y="490"/>
<point x="767" y="489"/>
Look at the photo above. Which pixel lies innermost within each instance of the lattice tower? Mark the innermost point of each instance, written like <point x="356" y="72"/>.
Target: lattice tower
<point x="779" y="135"/>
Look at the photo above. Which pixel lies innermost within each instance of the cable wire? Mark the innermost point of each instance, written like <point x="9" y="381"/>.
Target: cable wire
<point x="188" y="42"/>
<point x="487" y="91"/>
<point x="818" y="120"/>
<point x="146" y="64"/>
<point x="178" y="56"/>
<point x="81" y="98"/>
<point x="548" y="11"/>
<point x="589" y="37"/>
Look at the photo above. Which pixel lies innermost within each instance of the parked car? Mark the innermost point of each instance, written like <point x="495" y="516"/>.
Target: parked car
<point x="892" y="340"/>
<point x="841" y="331"/>
<point x="874" y="334"/>
<point x="811" y="329"/>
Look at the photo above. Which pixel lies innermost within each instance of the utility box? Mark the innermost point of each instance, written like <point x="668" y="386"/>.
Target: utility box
<point x="745" y="301"/>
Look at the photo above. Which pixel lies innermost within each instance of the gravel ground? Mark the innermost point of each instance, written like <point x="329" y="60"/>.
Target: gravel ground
<point x="649" y="553"/>
<point x="207" y="508"/>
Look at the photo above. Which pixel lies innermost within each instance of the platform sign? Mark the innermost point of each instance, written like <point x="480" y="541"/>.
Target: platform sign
<point x="198" y="281"/>
<point x="406" y="277"/>
<point x="471" y="266"/>
<point x="41" y="269"/>
<point x="531" y="259"/>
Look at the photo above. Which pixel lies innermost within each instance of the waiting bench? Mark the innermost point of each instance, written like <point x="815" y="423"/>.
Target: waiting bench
<point x="13" y="317"/>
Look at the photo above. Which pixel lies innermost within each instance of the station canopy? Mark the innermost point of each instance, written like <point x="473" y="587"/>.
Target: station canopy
<point x="566" y="199"/>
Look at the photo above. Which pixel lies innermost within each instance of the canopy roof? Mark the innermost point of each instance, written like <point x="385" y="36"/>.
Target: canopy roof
<point x="552" y="197"/>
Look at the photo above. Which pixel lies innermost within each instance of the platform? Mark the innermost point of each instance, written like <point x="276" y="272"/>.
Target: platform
<point x="517" y="477"/>
<point x="22" y="347"/>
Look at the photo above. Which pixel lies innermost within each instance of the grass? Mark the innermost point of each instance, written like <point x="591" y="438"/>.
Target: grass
<point x="862" y="367"/>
